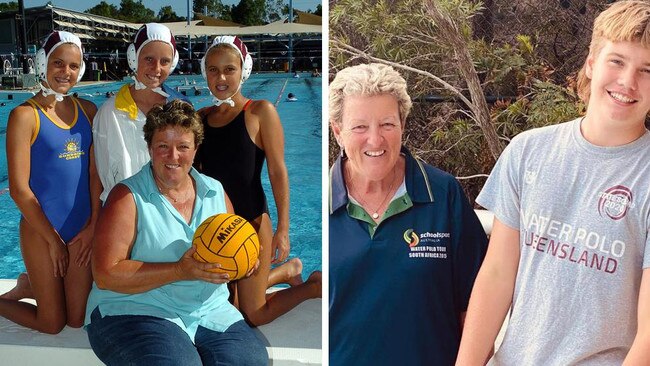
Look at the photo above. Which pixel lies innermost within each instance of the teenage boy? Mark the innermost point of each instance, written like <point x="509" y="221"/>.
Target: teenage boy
<point x="569" y="252"/>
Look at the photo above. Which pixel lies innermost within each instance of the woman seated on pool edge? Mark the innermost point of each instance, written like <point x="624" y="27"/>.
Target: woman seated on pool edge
<point x="151" y="298"/>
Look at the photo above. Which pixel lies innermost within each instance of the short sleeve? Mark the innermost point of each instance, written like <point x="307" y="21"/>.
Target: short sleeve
<point x="646" y="248"/>
<point x="501" y="192"/>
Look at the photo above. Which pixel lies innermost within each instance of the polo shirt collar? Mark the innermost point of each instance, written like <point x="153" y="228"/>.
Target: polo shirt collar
<point x="338" y="195"/>
<point x="415" y="173"/>
<point x="418" y="185"/>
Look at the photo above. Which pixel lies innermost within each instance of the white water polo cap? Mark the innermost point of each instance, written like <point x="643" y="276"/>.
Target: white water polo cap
<point x="236" y="43"/>
<point x="54" y="40"/>
<point x="148" y="33"/>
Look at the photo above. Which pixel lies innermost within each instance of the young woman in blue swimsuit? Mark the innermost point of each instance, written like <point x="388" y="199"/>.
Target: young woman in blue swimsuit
<point x="53" y="181"/>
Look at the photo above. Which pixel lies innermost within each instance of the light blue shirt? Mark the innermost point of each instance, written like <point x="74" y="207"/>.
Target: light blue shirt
<point x="164" y="236"/>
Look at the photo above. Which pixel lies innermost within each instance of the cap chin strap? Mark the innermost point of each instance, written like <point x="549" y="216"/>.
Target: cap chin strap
<point x="47" y="91"/>
<point x="140" y="86"/>
<point x="217" y="102"/>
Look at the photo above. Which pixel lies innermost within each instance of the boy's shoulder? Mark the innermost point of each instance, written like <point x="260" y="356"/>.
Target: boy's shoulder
<point x="542" y="135"/>
<point x="546" y="131"/>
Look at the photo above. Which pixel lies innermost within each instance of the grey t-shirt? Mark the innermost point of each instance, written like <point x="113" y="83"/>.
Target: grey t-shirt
<point x="582" y="213"/>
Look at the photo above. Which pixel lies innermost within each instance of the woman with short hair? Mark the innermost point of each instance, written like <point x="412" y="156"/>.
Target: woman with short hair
<point x="153" y="303"/>
<point x="405" y="245"/>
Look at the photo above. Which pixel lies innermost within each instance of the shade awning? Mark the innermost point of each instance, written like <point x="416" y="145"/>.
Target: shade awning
<point x="182" y="29"/>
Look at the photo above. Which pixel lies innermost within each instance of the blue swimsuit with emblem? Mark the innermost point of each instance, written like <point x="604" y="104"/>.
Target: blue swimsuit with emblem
<point x="59" y="170"/>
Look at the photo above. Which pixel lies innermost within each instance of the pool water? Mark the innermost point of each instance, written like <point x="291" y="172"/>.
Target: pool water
<point x="301" y="121"/>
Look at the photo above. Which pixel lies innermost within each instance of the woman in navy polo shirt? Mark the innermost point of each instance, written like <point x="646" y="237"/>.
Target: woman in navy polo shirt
<point x="405" y="245"/>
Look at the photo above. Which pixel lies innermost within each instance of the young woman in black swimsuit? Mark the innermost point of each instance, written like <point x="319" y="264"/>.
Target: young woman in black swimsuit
<point x="239" y="134"/>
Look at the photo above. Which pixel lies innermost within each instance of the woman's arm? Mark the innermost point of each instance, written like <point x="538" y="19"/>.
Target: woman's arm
<point x="20" y="128"/>
<point x="115" y="235"/>
<point x="229" y="206"/>
<point x="273" y="145"/>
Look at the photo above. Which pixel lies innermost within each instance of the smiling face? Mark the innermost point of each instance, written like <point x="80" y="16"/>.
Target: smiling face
<point x="371" y="134"/>
<point x="154" y="63"/>
<point x="172" y="151"/>
<point x="63" y="67"/>
<point x="620" y="84"/>
<point x="223" y="71"/>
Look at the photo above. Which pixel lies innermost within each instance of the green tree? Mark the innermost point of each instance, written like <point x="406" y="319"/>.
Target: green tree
<point x="104" y="9"/>
<point x="318" y="10"/>
<point x="167" y="14"/>
<point x="276" y="10"/>
<point x="9" y="6"/>
<point x="215" y="8"/>
<point x="136" y="12"/>
<point x="249" y="12"/>
<point x="434" y="46"/>
<point x="425" y="37"/>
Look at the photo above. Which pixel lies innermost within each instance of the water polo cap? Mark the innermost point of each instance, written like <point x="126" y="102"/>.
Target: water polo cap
<point x="246" y="59"/>
<point x="54" y="40"/>
<point x="148" y="33"/>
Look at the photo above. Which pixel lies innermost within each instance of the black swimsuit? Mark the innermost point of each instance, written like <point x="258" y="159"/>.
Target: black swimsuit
<point x="228" y="155"/>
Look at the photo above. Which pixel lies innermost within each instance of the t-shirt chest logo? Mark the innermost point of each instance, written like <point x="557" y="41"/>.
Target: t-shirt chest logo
<point x="427" y="245"/>
<point x="615" y="202"/>
<point x="530" y="176"/>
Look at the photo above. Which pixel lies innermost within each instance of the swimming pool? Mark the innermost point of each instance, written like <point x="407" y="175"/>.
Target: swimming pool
<point x="302" y="129"/>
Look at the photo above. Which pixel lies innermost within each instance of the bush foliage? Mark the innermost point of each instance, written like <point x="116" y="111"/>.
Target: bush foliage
<point x="520" y="86"/>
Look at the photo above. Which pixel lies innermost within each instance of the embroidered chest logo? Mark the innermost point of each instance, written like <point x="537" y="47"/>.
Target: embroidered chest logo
<point x="71" y="150"/>
<point x="427" y="245"/>
<point x="614" y="202"/>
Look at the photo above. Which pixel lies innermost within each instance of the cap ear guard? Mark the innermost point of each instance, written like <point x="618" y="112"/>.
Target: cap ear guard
<point x="174" y="61"/>
<point x="203" y="71"/>
<point x="82" y="70"/>
<point x="132" y="58"/>
<point x="247" y="68"/>
<point x="41" y="63"/>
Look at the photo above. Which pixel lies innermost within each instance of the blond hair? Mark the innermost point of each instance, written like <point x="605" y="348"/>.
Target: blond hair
<point x="623" y="21"/>
<point x="367" y="80"/>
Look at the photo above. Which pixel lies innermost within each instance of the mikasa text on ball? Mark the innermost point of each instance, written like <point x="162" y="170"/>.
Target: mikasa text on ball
<point x="230" y="240"/>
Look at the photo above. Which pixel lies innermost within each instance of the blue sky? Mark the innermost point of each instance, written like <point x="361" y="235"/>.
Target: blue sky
<point x="179" y="6"/>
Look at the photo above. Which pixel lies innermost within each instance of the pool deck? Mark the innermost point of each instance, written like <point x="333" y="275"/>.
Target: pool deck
<point x="292" y="339"/>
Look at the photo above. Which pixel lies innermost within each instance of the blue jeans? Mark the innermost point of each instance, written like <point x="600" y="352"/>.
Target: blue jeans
<point x="147" y="340"/>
